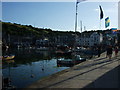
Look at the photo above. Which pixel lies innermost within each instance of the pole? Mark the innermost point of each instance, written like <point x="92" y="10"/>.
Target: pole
<point x="100" y="24"/>
<point x="75" y="24"/>
<point x="75" y="31"/>
<point x="81" y="28"/>
<point x="76" y="18"/>
<point x="84" y="28"/>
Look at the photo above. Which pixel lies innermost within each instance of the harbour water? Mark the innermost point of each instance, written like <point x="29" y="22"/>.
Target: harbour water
<point x="29" y="66"/>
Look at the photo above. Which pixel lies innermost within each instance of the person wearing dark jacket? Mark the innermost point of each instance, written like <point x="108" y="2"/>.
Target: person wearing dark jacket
<point x="109" y="51"/>
<point x="99" y="50"/>
<point x="116" y="51"/>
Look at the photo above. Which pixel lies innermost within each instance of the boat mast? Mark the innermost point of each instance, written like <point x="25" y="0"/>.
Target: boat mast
<point x="81" y="28"/>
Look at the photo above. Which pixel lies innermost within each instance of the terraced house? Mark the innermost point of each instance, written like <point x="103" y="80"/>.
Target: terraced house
<point x="90" y="39"/>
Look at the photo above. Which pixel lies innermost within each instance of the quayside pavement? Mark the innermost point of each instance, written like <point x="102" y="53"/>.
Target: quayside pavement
<point x="94" y="73"/>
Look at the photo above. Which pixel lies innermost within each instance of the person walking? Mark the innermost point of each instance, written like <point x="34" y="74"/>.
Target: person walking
<point x="109" y="51"/>
<point x="116" y="51"/>
<point x="99" y="50"/>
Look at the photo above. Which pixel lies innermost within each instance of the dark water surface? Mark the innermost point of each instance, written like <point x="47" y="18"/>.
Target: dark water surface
<point x="29" y="66"/>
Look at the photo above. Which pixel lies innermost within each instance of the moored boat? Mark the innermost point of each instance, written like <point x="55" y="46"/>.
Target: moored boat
<point x="8" y="57"/>
<point x="63" y="53"/>
<point x="43" y="48"/>
<point x="76" y="60"/>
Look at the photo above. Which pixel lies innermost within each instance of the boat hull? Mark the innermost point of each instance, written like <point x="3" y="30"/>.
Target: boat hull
<point x="70" y="62"/>
<point x="8" y="57"/>
<point x="62" y="53"/>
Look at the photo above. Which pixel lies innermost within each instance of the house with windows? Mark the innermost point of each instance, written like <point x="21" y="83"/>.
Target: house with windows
<point x="90" y="39"/>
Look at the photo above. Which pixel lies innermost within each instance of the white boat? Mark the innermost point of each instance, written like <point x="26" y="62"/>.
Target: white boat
<point x="75" y="60"/>
<point x="42" y="48"/>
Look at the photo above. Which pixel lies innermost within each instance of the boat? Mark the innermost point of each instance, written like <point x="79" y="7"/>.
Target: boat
<point x="63" y="53"/>
<point x="64" y="65"/>
<point x="75" y="60"/>
<point x="8" y="57"/>
<point x="63" y="50"/>
<point x="10" y="61"/>
<point x="42" y="48"/>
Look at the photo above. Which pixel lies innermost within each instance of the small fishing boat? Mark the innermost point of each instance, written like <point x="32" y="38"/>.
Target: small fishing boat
<point x="64" y="65"/>
<point x="63" y="53"/>
<point x="42" y="48"/>
<point x="75" y="60"/>
<point x="8" y="57"/>
<point x="10" y="61"/>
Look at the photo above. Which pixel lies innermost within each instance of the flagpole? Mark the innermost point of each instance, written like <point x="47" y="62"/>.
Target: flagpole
<point x="81" y="28"/>
<point x="76" y="17"/>
<point x="84" y="28"/>
<point x="78" y="1"/>
<point x="76" y="23"/>
<point x="100" y="25"/>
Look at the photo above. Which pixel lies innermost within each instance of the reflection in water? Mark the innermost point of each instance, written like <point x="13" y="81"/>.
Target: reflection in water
<point x="6" y="81"/>
<point x="32" y="75"/>
<point x="30" y="66"/>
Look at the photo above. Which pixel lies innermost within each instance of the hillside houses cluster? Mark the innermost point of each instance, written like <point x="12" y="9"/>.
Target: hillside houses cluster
<point x="90" y="39"/>
<point x="95" y="38"/>
<point x="82" y="40"/>
<point x="28" y="36"/>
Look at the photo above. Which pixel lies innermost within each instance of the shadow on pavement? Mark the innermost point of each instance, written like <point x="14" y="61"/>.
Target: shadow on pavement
<point x="96" y="59"/>
<point x="110" y="79"/>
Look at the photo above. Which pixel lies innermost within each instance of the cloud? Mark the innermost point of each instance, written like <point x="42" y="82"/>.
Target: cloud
<point x="107" y="10"/>
<point x="111" y="10"/>
<point x="96" y="10"/>
<point x="57" y="0"/>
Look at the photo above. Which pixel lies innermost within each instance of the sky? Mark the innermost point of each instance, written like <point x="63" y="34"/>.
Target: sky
<point x="60" y="15"/>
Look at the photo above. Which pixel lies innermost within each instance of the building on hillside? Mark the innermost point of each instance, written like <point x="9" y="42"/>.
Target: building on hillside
<point x="42" y="42"/>
<point x="111" y="37"/>
<point x="64" y="40"/>
<point x="88" y="39"/>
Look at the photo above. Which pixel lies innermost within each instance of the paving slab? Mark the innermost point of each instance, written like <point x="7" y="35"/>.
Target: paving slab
<point x="95" y="73"/>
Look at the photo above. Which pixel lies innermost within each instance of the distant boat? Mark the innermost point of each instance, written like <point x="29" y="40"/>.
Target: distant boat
<point x="42" y="48"/>
<point x="64" y="65"/>
<point x="63" y="53"/>
<point x="8" y="57"/>
<point x="10" y="61"/>
<point x="76" y="60"/>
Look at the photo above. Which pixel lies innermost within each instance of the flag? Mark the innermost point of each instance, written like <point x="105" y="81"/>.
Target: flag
<point x="101" y="12"/>
<point x="114" y="30"/>
<point x="107" y="22"/>
<point x="78" y="1"/>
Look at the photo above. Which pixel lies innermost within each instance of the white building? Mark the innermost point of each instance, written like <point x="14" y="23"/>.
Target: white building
<point x="90" y="39"/>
